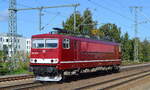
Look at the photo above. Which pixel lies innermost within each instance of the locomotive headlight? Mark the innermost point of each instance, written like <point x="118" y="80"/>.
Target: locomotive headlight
<point x="35" y="60"/>
<point x="54" y="60"/>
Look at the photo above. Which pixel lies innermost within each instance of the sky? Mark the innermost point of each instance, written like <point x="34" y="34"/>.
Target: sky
<point x="104" y="11"/>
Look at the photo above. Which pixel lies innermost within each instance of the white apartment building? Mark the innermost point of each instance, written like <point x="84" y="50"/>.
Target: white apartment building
<point x="23" y="44"/>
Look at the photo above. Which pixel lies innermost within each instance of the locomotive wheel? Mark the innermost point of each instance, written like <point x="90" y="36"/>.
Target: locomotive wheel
<point x="79" y="72"/>
<point x="115" y="69"/>
<point x="63" y="77"/>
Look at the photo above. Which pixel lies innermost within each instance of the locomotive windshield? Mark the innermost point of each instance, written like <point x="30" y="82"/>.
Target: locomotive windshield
<point x="51" y="43"/>
<point x="44" y="43"/>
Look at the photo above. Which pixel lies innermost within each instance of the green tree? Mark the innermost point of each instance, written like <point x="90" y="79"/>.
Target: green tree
<point x="131" y="53"/>
<point x="1" y="56"/>
<point x="140" y="54"/>
<point x="126" y="47"/>
<point x="5" y="51"/>
<point x="88" y="22"/>
<point x="84" y="24"/>
<point x="140" y="49"/>
<point x="69" y="23"/>
<point x="146" y="50"/>
<point x="110" y="32"/>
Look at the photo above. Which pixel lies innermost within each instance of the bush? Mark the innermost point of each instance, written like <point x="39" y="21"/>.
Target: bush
<point x="4" y="68"/>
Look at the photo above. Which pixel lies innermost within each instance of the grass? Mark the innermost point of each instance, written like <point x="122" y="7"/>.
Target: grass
<point x="127" y="62"/>
<point x="19" y="71"/>
<point x="22" y="68"/>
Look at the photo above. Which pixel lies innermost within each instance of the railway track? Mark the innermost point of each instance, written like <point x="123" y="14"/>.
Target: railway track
<point x="111" y="83"/>
<point x="107" y="84"/>
<point x="21" y="86"/>
<point x="27" y="76"/>
<point x="15" y="77"/>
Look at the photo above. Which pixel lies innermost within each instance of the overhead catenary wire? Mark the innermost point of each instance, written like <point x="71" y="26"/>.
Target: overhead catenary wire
<point x="47" y="12"/>
<point x="50" y="20"/>
<point x="120" y="3"/>
<point x="111" y="10"/>
<point x="44" y="7"/>
<point x="84" y="20"/>
<point x="148" y="18"/>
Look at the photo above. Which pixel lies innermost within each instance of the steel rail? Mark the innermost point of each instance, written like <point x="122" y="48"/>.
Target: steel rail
<point x="38" y="84"/>
<point x="127" y="81"/>
<point x="116" y="79"/>
<point x="17" y="77"/>
<point x="19" y="86"/>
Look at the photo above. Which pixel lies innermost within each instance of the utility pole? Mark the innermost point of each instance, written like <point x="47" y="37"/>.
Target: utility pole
<point x="136" y="52"/>
<point x="12" y="25"/>
<point x="12" y="31"/>
<point x="75" y="18"/>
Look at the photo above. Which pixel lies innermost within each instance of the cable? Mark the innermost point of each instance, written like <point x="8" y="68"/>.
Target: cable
<point x="84" y="20"/>
<point x="113" y="11"/>
<point x="119" y="3"/>
<point x="54" y="13"/>
<point x="50" y="20"/>
<point x="148" y="19"/>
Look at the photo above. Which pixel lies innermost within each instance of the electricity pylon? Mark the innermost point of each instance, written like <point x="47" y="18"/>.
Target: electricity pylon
<point x="136" y="52"/>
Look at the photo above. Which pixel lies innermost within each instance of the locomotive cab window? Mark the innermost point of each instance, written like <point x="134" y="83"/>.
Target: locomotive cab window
<point x="66" y="43"/>
<point x="38" y="43"/>
<point x="51" y="43"/>
<point x="45" y="43"/>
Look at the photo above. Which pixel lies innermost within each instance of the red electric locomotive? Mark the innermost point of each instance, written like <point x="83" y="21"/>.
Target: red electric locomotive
<point x="53" y="55"/>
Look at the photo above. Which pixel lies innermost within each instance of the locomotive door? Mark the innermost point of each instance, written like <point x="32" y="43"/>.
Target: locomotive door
<point x="116" y="52"/>
<point x="76" y="47"/>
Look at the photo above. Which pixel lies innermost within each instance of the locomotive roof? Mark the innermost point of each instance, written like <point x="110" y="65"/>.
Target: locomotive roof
<point x="73" y="37"/>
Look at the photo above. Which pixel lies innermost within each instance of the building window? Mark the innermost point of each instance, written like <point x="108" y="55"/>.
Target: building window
<point x="66" y="43"/>
<point x="1" y="39"/>
<point x="28" y="42"/>
<point x="18" y="46"/>
<point x="7" y="40"/>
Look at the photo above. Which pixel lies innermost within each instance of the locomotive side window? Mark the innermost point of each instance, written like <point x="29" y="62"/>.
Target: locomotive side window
<point x="38" y="43"/>
<point x="51" y="43"/>
<point x="66" y="43"/>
